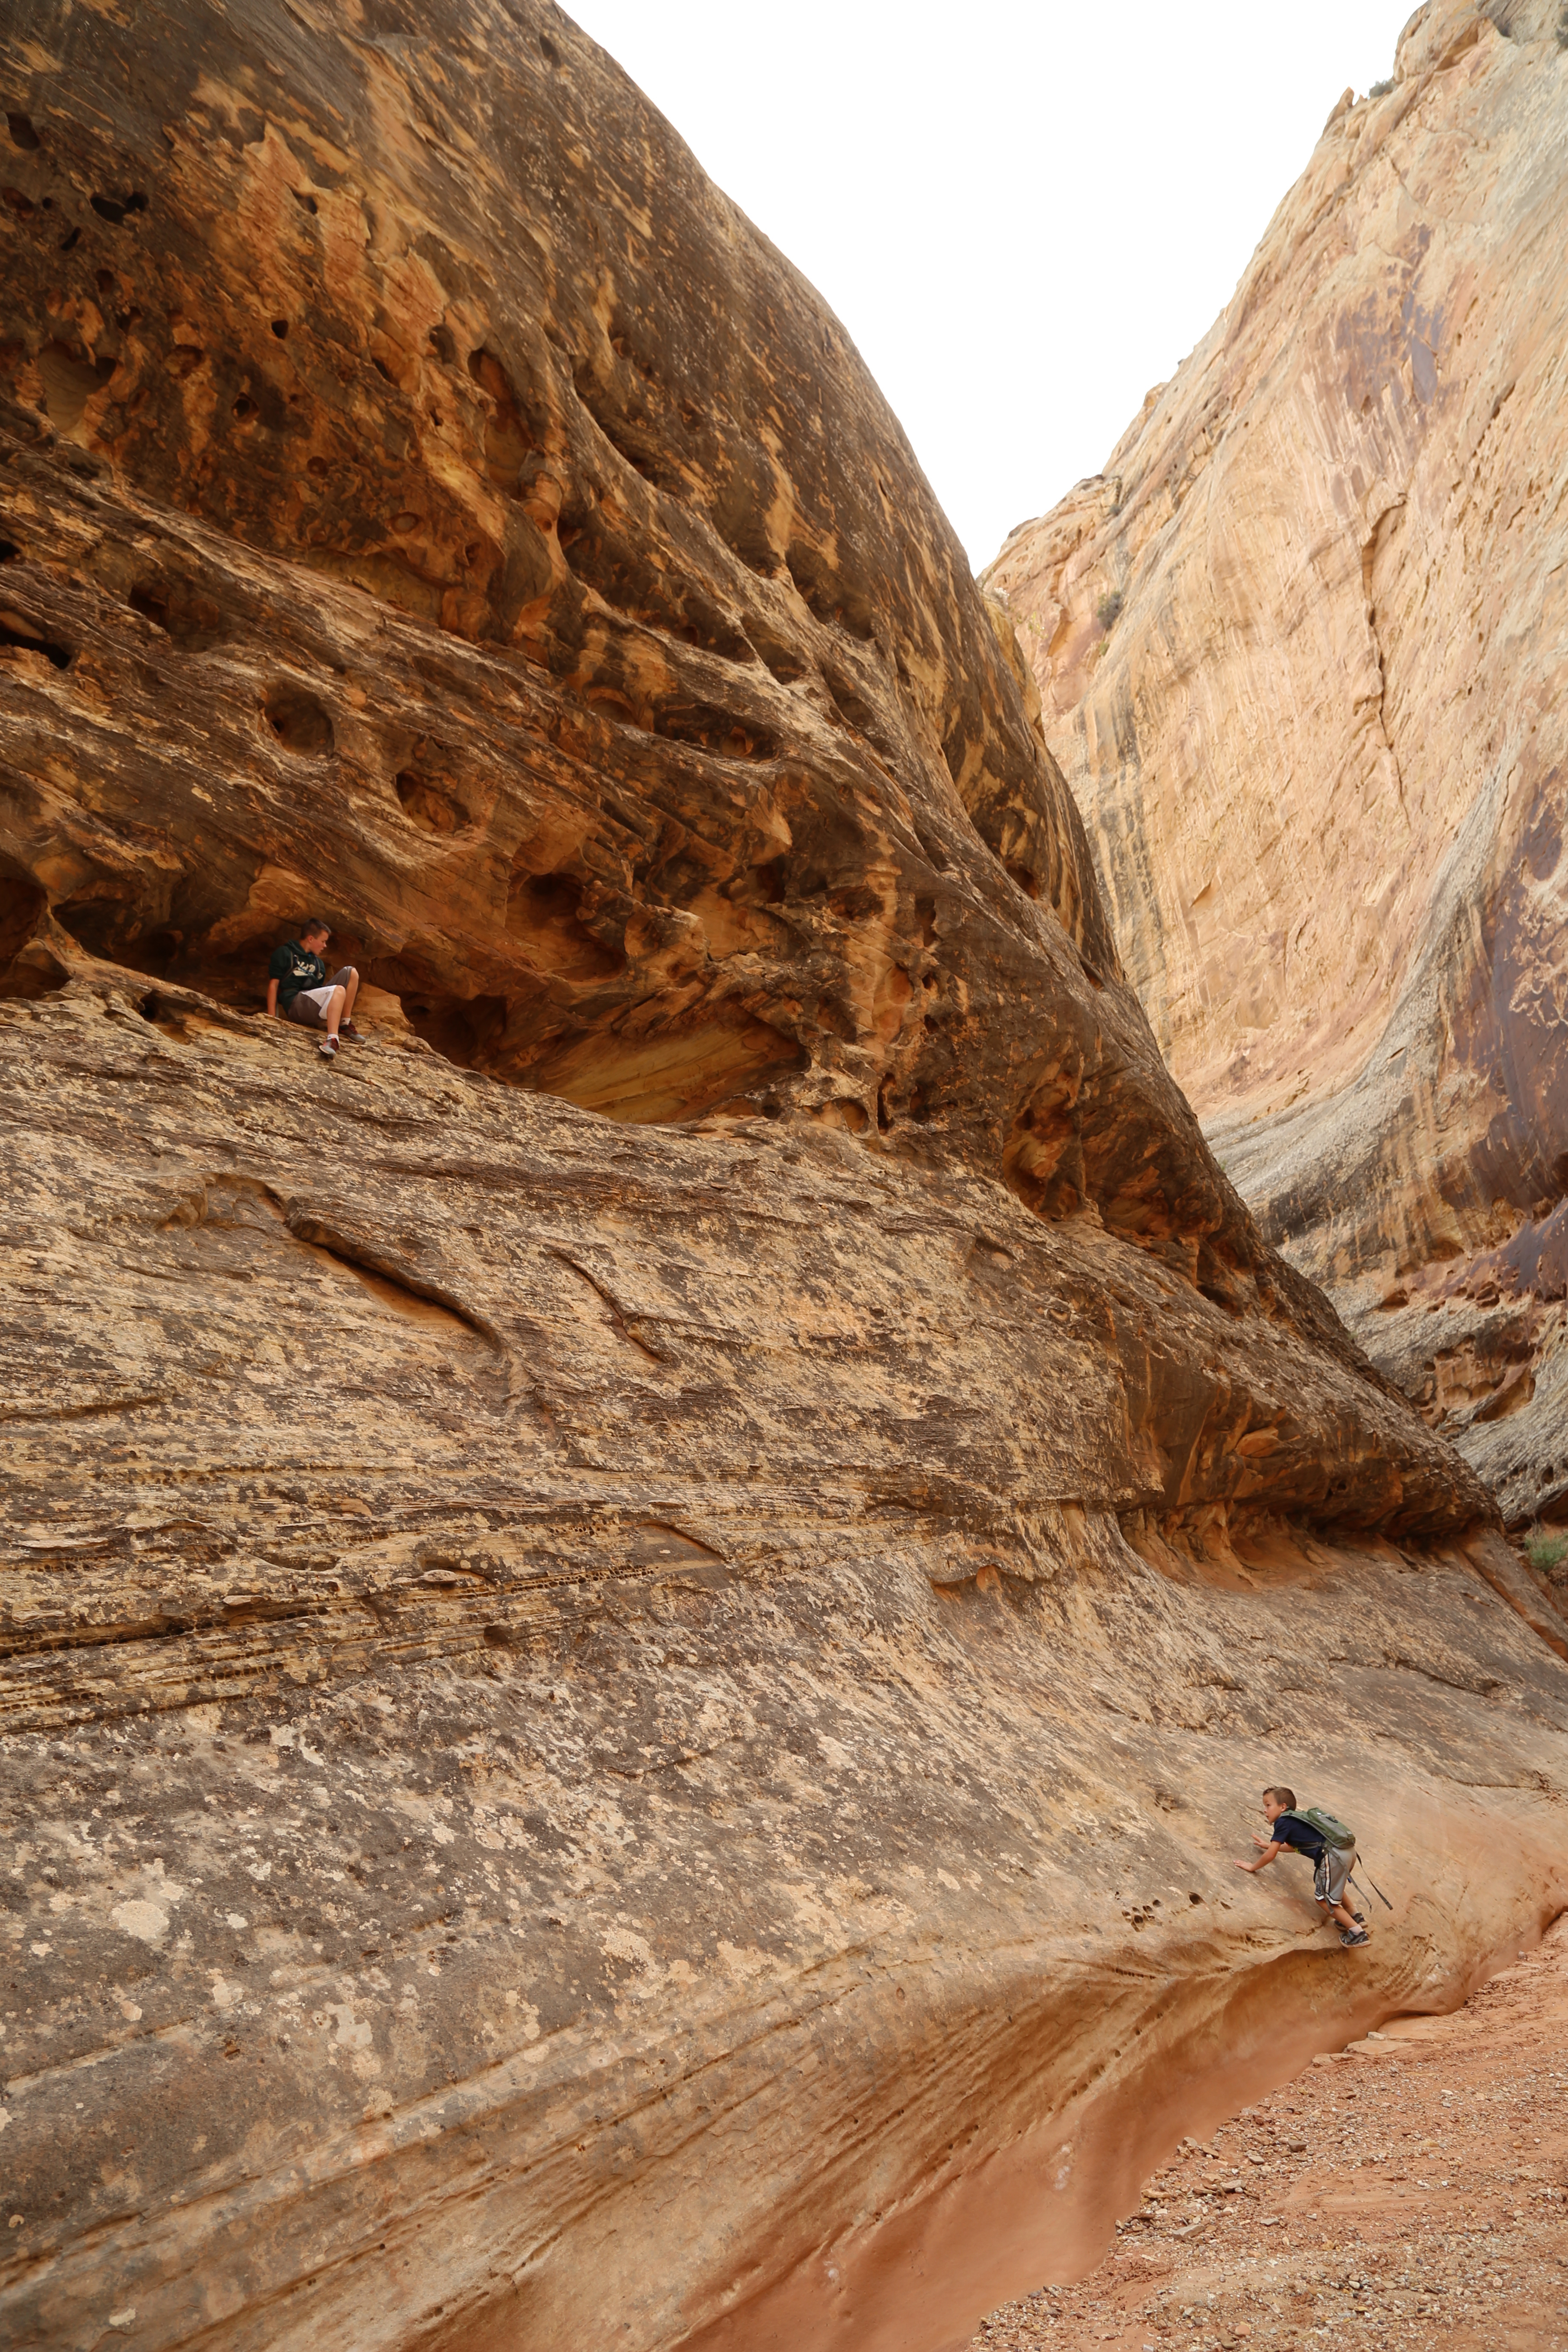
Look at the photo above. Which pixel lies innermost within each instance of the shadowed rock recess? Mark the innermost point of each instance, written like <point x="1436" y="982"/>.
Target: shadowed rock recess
<point x="637" y="1622"/>
<point x="1301" y="650"/>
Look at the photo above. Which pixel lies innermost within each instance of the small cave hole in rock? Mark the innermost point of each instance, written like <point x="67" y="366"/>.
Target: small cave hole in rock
<point x="159" y="950"/>
<point x="306" y="203"/>
<point x="99" y="925"/>
<point x="441" y="344"/>
<point x="69" y="241"/>
<point x="300" y="723"/>
<point x="194" y="621"/>
<point x="280" y="328"/>
<point x="23" y="135"/>
<point x="430" y="805"/>
<point x="469" y="1031"/>
<point x="163" y="1014"/>
<point x="544" y="912"/>
<point x="8" y="551"/>
<point x="28" y="968"/>
<point x="22" y="906"/>
<point x="151" y="602"/>
<point x="1027" y="880"/>
<point x="245" y="407"/>
<point x="70" y="380"/>
<point x="115" y="209"/>
<point x="17" y="632"/>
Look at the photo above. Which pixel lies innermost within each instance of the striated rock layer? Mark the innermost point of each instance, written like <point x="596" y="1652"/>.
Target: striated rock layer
<point x="639" y="1621"/>
<point x="1301" y="655"/>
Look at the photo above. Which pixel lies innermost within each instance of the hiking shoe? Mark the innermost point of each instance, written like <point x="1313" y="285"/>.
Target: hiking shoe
<point x="328" y="1046"/>
<point x="1349" y="1937"/>
<point x="355" y="1036"/>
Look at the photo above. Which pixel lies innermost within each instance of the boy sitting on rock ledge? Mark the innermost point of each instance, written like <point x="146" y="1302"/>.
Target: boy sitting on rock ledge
<point x="298" y="988"/>
<point x="1331" y="1848"/>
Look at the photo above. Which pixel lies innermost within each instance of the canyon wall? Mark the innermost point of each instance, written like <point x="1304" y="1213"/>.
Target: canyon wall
<point x="1301" y="655"/>
<point x="639" y="1622"/>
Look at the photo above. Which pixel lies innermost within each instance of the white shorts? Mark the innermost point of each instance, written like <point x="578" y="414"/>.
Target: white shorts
<point x="309" y="1007"/>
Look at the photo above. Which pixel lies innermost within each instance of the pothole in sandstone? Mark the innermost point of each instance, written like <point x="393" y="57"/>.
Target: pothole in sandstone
<point x="297" y="721"/>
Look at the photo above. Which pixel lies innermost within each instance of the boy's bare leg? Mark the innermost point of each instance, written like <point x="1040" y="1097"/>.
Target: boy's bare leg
<point x="351" y="989"/>
<point x="335" y="1011"/>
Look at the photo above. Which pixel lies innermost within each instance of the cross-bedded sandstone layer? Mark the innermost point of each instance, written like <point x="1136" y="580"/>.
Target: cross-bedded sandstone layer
<point x="1300" y="654"/>
<point x="636" y="1620"/>
<point x="620" y="1734"/>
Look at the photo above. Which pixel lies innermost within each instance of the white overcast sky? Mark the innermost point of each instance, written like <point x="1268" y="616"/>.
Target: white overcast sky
<point x="1024" y="215"/>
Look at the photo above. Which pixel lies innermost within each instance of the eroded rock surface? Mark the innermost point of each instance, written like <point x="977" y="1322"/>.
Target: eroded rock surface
<point x="1449" y="2234"/>
<point x="1301" y="655"/>
<point x="625" y="1728"/>
<point x="618" y="1731"/>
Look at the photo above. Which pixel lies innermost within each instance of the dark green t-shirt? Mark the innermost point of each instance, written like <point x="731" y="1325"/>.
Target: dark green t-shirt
<point x="294" y="967"/>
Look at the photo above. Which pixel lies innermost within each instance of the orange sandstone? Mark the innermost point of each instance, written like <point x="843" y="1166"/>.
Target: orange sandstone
<point x="638" y="1622"/>
<point x="1299" y="656"/>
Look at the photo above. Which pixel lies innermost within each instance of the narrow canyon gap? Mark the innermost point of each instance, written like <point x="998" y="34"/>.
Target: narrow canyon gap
<point x="1301" y="650"/>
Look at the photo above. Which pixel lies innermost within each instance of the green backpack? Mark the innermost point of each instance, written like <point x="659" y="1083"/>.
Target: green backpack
<point x="1332" y="1832"/>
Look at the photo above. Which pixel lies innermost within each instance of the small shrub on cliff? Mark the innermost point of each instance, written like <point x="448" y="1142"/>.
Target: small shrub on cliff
<point x="1380" y="89"/>
<point x="1543" y="1548"/>
<point x="1108" y="606"/>
<point x="1562" y="28"/>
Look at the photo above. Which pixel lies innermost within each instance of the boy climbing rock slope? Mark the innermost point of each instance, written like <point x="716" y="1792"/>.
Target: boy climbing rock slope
<point x="1289" y="1831"/>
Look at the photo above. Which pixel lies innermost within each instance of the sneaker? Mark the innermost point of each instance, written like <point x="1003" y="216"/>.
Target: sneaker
<point x="347" y="1031"/>
<point x="328" y="1046"/>
<point x="1349" y="1937"/>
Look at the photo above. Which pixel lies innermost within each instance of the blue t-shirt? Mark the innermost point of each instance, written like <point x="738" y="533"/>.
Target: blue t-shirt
<point x="1290" y="1829"/>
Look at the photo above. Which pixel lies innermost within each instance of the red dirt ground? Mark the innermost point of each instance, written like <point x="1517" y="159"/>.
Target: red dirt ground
<point x="1412" y="2191"/>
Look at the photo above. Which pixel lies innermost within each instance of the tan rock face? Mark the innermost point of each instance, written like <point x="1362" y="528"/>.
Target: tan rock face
<point x="622" y="1730"/>
<point x="616" y="694"/>
<point x="1299" y="654"/>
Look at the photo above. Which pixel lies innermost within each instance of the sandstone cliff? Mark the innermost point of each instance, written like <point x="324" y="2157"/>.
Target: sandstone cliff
<point x="1301" y="655"/>
<point x="638" y="1622"/>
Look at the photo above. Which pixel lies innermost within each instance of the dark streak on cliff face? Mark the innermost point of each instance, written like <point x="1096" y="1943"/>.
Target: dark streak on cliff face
<point x="1334" y="845"/>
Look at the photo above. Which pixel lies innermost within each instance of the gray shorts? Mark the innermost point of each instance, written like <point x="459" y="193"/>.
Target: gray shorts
<point x="309" y="1007"/>
<point x="1330" y="1878"/>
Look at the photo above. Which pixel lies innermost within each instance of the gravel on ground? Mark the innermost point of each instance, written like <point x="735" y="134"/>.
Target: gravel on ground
<point x="1411" y="2190"/>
